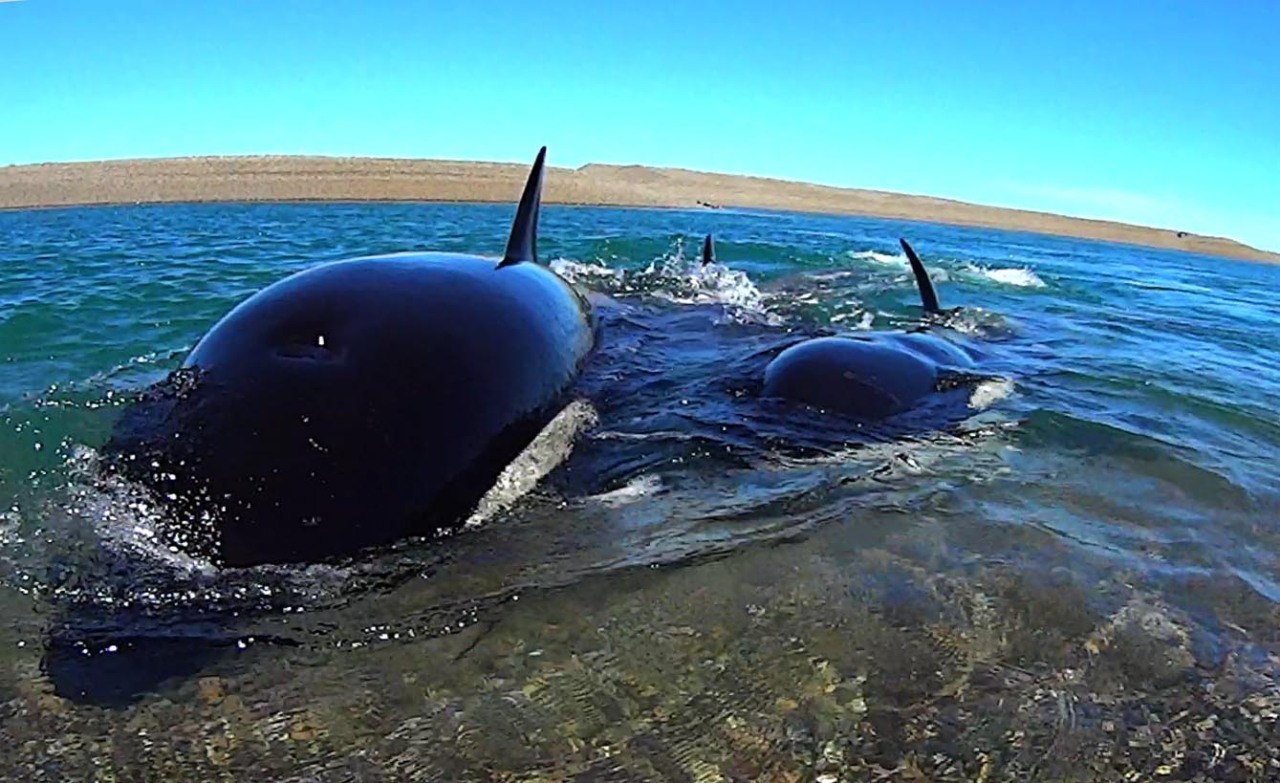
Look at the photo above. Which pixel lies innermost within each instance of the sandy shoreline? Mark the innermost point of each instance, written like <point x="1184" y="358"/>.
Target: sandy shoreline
<point x="305" y="178"/>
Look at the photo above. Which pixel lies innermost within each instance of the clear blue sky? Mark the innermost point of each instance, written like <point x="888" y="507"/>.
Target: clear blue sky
<point x="1162" y="112"/>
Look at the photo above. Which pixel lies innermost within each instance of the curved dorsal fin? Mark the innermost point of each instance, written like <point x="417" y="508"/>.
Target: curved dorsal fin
<point x="928" y="297"/>
<point x="523" y="243"/>
<point x="708" y="251"/>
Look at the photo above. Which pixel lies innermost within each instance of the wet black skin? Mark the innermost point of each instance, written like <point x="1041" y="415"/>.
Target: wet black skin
<point x="359" y="402"/>
<point x="870" y="375"/>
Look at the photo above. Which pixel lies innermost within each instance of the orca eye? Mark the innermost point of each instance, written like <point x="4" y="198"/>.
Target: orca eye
<point x="314" y="345"/>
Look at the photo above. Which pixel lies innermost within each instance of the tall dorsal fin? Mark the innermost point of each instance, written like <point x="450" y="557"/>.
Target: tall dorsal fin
<point x="523" y="244"/>
<point x="708" y="251"/>
<point x="928" y="297"/>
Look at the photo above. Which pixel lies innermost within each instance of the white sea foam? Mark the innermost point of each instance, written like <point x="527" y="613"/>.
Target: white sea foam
<point x="716" y="284"/>
<point x="988" y="393"/>
<point x="889" y="259"/>
<point x="576" y="271"/>
<point x="689" y="281"/>
<point x="125" y="515"/>
<point x="1022" y="277"/>
<point x="634" y="490"/>
<point x="936" y="273"/>
<point x="675" y="279"/>
<point x="864" y="322"/>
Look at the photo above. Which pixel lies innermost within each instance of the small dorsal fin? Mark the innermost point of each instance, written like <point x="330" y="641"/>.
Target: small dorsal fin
<point x="708" y="251"/>
<point x="928" y="297"/>
<point x="523" y="244"/>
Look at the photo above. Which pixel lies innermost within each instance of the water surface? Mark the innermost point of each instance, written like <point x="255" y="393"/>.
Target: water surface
<point x="1078" y="580"/>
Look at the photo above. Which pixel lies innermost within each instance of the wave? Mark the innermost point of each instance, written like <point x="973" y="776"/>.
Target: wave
<point x="888" y="259"/>
<point x="1020" y="277"/>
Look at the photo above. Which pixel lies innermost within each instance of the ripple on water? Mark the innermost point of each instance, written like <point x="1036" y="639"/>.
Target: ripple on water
<point x="1095" y="534"/>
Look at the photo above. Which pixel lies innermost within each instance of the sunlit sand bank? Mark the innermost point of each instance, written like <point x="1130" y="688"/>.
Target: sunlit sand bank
<point x="299" y="178"/>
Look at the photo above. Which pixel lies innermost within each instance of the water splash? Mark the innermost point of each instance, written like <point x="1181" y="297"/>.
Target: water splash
<point x="1019" y="277"/>
<point x="989" y="393"/>
<point x="887" y="259"/>
<point x="674" y="277"/>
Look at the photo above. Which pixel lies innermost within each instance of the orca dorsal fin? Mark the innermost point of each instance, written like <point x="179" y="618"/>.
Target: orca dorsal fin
<point x="708" y="251"/>
<point x="928" y="297"/>
<point x="523" y="243"/>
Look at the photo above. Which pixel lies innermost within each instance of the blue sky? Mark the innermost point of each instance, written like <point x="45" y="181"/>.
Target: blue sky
<point x="1156" y="112"/>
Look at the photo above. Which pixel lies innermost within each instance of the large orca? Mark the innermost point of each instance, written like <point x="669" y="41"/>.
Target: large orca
<point x="358" y="402"/>
<point x="871" y="375"/>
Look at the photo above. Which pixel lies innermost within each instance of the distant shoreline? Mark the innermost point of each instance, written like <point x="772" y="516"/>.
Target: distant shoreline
<point x="283" y="178"/>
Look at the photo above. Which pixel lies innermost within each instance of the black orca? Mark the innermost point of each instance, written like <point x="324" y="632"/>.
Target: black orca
<point x="708" y="251"/>
<point x="871" y="375"/>
<point x="358" y="402"/>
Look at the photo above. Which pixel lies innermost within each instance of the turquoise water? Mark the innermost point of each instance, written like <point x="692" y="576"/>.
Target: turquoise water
<point x="1097" y="536"/>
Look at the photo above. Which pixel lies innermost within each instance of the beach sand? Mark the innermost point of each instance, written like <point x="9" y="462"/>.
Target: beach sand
<point x="305" y="178"/>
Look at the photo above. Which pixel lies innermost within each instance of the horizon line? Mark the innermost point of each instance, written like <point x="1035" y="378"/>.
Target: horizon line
<point x="848" y="189"/>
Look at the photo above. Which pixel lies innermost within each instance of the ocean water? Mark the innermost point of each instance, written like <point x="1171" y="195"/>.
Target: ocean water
<point x="1076" y="580"/>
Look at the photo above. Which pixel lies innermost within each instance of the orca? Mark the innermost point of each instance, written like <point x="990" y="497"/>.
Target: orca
<point x="358" y="402"/>
<point x="872" y="375"/>
<point x="708" y="251"/>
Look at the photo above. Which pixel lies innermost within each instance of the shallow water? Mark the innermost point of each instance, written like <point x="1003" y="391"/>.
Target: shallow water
<point x="1075" y="580"/>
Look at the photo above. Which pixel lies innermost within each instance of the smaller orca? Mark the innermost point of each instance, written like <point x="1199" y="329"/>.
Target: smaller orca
<point x="872" y="375"/>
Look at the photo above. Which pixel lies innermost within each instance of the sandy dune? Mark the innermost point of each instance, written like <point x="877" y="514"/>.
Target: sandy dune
<point x="290" y="178"/>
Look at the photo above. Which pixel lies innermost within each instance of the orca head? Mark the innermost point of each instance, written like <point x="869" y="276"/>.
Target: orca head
<point x="346" y="404"/>
<point x="856" y="375"/>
